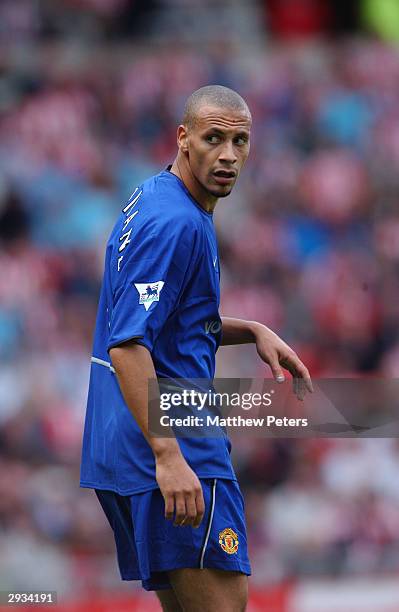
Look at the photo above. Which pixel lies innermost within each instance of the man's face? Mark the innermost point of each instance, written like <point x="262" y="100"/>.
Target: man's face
<point x="217" y="148"/>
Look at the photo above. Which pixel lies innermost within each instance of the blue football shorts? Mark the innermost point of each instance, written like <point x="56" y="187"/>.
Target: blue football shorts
<point x="148" y="545"/>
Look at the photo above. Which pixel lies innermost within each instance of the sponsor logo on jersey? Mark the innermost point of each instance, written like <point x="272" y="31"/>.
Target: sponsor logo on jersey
<point x="149" y="292"/>
<point x="228" y="540"/>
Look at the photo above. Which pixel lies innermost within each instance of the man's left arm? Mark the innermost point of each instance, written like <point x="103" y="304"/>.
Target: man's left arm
<point x="271" y="349"/>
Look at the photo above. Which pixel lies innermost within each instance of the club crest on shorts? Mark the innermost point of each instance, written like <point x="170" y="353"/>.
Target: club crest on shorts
<point x="149" y="292"/>
<point x="228" y="540"/>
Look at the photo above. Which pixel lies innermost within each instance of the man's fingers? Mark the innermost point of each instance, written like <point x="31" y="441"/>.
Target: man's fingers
<point x="276" y="370"/>
<point x="186" y="509"/>
<point x="299" y="386"/>
<point x="304" y="376"/>
<point x="180" y="504"/>
<point x="200" y="504"/>
<point x="298" y="369"/>
<point x="295" y="385"/>
<point x="191" y="510"/>
<point x="169" y="506"/>
<point x="194" y="509"/>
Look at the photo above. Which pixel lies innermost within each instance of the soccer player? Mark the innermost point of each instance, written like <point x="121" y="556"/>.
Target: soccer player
<point x="174" y="504"/>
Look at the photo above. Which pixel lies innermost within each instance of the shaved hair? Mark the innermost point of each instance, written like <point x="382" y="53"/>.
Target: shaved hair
<point x="214" y="95"/>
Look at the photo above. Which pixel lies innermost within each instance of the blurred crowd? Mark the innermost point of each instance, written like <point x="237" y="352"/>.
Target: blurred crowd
<point x="309" y="244"/>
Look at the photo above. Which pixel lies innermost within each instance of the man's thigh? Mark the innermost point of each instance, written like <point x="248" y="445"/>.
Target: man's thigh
<point x="169" y="601"/>
<point x="209" y="590"/>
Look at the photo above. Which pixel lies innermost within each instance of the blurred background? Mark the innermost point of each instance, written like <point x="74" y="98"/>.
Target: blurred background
<point x="91" y="92"/>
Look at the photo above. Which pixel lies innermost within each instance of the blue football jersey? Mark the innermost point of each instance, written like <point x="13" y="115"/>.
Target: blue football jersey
<point x="161" y="288"/>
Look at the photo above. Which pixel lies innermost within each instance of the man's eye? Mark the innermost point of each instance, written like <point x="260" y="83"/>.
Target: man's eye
<point x="213" y="139"/>
<point x="241" y="140"/>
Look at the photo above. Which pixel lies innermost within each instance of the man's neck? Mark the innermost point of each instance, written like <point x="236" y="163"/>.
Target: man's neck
<point x="181" y="168"/>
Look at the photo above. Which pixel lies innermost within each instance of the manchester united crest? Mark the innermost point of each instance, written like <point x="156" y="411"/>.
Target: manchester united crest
<point x="228" y="540"/>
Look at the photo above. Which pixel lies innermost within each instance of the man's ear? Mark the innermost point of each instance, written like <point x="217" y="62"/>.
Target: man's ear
<point x="182" y="139"/>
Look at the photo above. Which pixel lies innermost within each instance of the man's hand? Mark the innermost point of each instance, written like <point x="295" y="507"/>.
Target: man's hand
<point x="271" y="349"/>
<point x="274" y="351"/>
<point x="181" y="490"/>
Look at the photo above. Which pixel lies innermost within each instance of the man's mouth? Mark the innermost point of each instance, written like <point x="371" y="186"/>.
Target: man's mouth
<point x="224" y="177"/>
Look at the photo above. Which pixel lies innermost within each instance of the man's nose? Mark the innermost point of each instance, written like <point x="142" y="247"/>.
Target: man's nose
<point x="228" y="154"/>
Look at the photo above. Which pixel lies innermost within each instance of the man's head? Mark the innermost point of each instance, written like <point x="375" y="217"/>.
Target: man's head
<point x="213" y="139"/>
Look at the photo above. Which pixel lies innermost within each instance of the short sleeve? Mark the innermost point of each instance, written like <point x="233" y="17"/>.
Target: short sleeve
<point x="147" y="289"/>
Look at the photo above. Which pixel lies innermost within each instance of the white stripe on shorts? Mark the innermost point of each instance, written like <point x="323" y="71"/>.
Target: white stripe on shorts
<point x="209" y="523"/>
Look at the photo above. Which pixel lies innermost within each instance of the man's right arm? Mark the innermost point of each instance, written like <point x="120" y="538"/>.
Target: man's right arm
<point x="179" y="485"/>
